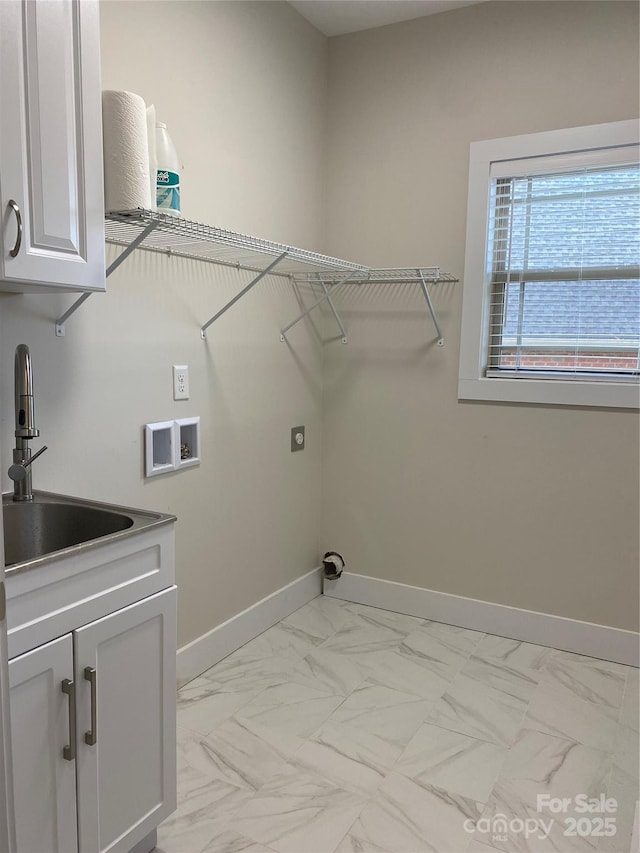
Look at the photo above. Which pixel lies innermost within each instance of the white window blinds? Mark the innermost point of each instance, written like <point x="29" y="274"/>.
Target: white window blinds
<point x="564" y="266"/>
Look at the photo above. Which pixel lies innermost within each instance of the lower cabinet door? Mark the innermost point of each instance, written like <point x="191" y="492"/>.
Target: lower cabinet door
<point x="42" y="743"/>
<point x="125" y="667"/>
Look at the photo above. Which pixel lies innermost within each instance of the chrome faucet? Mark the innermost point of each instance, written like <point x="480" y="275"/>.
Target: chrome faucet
<point x="20" y="471"/>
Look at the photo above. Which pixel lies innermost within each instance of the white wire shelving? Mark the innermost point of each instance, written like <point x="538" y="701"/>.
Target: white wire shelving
<point x="171" y="235"/>
<point x="330" y="281"/>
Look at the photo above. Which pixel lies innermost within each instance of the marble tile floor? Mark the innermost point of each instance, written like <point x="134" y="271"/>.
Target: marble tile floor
<point x="349" y="729"/>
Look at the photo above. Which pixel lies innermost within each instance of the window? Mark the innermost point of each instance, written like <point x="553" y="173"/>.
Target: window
<point x="551" y="308"/>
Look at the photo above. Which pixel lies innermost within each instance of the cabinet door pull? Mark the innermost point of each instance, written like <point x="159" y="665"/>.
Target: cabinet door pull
<point x="14" y="206"/>
<point x="69" y="689"/>
<point x="91" y="737"/>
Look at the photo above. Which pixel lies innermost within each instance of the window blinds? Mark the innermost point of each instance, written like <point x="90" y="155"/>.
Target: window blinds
<point x="564" y="267"/>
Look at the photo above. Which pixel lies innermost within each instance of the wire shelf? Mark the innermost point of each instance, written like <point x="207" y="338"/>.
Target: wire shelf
<point x="331" y="281"/>
<point x="392" y="275"/>
<point x="185" y="238"/>
<point x="162" y="232"/>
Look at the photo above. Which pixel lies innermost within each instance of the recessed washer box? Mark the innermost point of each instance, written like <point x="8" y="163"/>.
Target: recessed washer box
<point x="171" y="445"/>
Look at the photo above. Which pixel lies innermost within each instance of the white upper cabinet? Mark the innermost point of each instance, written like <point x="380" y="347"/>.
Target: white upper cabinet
<point x="51" y="185"/>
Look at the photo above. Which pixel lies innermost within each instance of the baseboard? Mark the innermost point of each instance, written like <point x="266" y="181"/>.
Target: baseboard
<point x="585" y="638"/>
<point x="196" y="657"/>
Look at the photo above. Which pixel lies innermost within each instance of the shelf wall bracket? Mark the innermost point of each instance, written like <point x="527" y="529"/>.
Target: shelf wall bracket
<point x="326" y="297"/>
<point x="427" y="296"/>
<point x="343" y="331"/>
<point x="252" y="283"/>
<point x="60" y="328"/>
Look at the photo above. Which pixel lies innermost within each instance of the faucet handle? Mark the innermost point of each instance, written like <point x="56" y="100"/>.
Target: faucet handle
<point x="18" y="471"/>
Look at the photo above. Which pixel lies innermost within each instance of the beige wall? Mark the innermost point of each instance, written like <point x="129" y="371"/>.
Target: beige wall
<point x="242" y="87"/>
<point x="530" y="506"/>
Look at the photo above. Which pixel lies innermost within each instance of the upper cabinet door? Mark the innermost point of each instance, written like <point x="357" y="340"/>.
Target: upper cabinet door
<point x="51" y="185"/>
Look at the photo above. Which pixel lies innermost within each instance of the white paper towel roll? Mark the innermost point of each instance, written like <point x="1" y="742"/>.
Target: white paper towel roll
<point x="153" y="157"/>
<point x="127" y="183"/>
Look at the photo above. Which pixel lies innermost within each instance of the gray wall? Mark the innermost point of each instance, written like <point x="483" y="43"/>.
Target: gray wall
<point x="530" y="506"/>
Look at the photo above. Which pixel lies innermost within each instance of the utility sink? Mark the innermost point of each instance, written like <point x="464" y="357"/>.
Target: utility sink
<point x="51" y="526"/>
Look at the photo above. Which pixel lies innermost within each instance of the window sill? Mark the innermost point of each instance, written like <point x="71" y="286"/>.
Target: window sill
<point x="621" y="395"/>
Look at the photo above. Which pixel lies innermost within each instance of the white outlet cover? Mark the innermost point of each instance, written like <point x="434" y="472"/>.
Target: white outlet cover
<point x="180" y="381"/>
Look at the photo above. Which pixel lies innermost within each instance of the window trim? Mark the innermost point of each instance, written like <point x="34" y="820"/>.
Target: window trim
<point x="472" y="383"/>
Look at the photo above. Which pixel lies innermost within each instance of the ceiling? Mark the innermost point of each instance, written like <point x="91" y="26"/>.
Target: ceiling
<point x="337" y="17"/>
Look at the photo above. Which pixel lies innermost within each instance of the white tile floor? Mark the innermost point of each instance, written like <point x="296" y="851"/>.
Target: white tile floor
<point x="351" y="729"/>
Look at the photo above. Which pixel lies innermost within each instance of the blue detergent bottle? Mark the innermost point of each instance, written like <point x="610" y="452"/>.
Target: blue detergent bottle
<point x="168" y="174"/>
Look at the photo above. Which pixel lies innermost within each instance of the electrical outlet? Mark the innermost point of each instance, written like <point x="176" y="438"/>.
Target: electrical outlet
<point x="297" y="439"/>
<point x="180" y="382"/>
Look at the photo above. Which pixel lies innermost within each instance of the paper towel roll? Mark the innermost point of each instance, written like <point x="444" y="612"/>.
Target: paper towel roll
<point x="153" y="157"/>
<point x="126" y="151"/>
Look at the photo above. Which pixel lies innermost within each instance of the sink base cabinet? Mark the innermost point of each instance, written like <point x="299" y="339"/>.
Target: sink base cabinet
<point x="121" y="783"/>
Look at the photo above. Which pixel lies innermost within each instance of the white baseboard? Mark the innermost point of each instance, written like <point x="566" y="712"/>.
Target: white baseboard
<point x="196" y="657"/>
<point x="585" y="638"/>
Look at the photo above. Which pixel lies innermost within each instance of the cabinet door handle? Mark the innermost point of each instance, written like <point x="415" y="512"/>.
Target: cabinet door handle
<point x="91" y="737"/>
<point x="14" y="206"/>
<point x="69" y="689"/>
